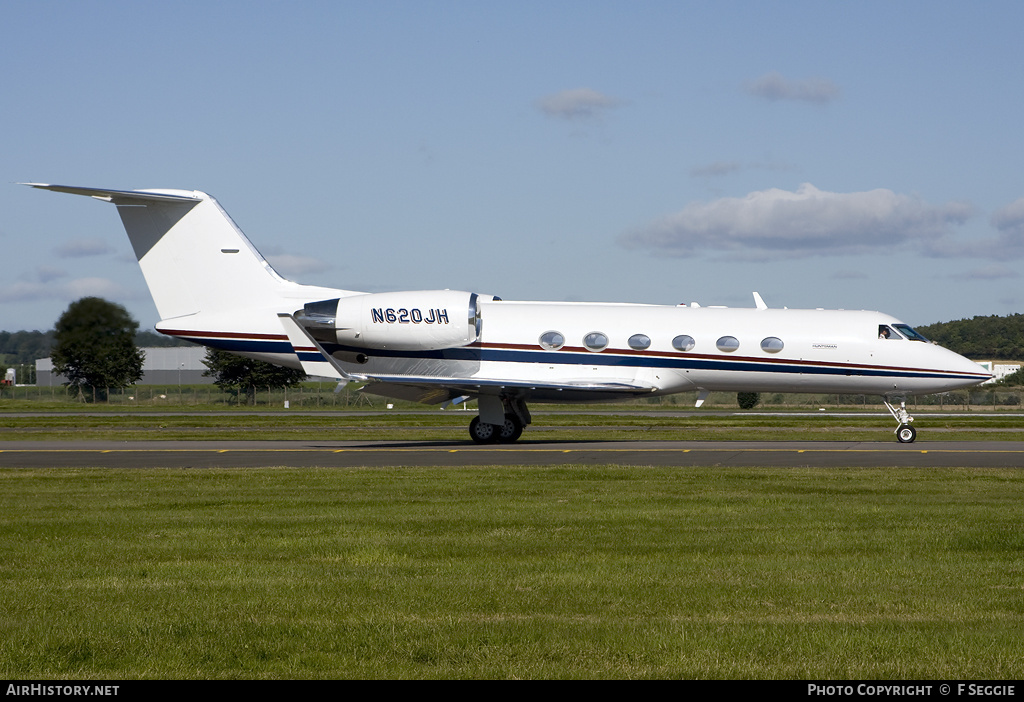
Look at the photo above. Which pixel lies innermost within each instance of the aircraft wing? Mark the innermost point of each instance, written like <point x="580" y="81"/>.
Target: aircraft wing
<point x="434" y="390"/>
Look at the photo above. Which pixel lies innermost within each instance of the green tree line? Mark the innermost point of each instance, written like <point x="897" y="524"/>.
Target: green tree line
<point x="990" y="338"/>
<point x="96" y="344"/>
<point x="28" y="346"/>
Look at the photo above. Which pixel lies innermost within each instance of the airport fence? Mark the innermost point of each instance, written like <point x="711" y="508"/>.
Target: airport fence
<point x="307" y="395"/>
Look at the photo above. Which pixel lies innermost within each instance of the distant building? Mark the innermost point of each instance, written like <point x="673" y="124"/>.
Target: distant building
<point x="999" y="369"/>
<point x="164" y="365"/>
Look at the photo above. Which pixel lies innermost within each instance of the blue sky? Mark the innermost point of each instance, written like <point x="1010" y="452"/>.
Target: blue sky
<point x="855" y="155"/>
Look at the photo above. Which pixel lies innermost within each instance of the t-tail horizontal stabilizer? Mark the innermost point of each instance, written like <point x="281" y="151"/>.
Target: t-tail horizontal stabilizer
<point x="314" y="360"/>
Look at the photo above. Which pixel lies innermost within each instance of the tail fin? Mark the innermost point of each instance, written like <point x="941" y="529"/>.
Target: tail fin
<point x="193" y="256"/>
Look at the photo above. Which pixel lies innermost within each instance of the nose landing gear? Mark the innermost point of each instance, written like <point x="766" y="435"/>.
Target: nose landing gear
<point x="905" y="433"/>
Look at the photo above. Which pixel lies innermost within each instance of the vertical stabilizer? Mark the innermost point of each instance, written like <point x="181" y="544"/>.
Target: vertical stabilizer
<point x="193" y="256"/>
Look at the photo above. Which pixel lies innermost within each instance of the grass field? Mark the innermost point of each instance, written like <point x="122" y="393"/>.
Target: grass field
<point x="626" y="423"/>
<point x="596" y="572"/>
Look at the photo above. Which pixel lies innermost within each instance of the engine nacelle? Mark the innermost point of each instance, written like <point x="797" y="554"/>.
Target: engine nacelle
<point x="421" y="320"/>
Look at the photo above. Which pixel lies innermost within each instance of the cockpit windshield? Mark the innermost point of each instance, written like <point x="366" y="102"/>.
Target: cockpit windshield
<point x="909" y="332"/>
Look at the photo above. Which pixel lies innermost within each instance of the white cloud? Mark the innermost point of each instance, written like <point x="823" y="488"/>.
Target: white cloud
<point x="774" y="86"/>
<point x="1010" y="223"/>
<point x="723" y="168"/>
<point x="95" y="287"/>
<point x="993" y="271"/>
<point x="79" y="248"/>
<point x="714" y="170"/>
<point x="23" y="291"/>
<point x="290" y="264"/>
<point x="1006" y="245"/>
<point x="31" y="291"/>
<point x="1011" y="216"/>
<point x="578" y="103"/>
<point x="808" y="222"/>
<point x="46" y="274"/>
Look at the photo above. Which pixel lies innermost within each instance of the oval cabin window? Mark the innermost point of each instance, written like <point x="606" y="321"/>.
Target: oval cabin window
<point x="639" y="342"/>
<point x="683" y="342"/>
<point x="728" y="344"/>
<point x="772" y="344"/>
<point x="552" y="340"/>
<point x="595" y="341"/>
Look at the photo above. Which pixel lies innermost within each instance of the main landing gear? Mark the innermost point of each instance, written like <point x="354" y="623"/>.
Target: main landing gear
<point x="505" y="433"/>
<point x="501" y="420"/>
<point x="905" y="433"/>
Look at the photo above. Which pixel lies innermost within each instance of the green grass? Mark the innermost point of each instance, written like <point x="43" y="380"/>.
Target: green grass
<point x="575" y="571"/>
<point x="321" y="396"/>
<point x="451" y="426"/>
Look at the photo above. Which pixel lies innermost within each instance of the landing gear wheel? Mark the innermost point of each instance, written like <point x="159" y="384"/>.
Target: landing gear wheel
<point x="510" y="431"/>
<point x="483" y="433"/>
<point x="906" y="434"/>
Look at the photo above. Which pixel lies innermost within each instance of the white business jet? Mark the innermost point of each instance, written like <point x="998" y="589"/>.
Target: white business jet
<point x="213" y="287"/>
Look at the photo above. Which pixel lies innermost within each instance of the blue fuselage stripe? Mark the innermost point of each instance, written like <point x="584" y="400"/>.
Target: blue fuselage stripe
<point x="564" y="357"/>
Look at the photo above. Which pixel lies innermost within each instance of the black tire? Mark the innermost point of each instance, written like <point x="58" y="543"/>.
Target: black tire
<point x="906" y="434"/>
<point x="511" y="430"/>
<point x="483" y="433"/>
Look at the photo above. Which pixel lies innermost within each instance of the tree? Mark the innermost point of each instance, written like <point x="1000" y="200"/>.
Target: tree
<point x="233" y="373"/>
<point x="1015" y="379"/>
<point x="94" y="346"/>
<point x="25" y="346"/>
<point x="986" y="338"/>
<point x="748" y="400"/>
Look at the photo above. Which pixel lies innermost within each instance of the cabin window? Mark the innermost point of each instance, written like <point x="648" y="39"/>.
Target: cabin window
<point x="728" y="344"/>
<point x="639" y="342"/>
<point x="552" y="340"/>
<point x="595" y="341"/>
<point x="911" y="333"/>
<point x="884" y="332"/>
<point x="683" y="342"/>
<point x="772" y="344"/>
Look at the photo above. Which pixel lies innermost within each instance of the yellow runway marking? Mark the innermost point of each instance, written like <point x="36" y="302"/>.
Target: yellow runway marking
<point x="498" y="449"/>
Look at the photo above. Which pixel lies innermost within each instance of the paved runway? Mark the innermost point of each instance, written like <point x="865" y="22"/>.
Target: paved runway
<point x="239" y="454"/>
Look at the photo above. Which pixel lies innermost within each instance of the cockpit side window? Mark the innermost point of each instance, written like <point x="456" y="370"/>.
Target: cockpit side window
<point x="886" y="332"/>
<point x="911" y="333"/>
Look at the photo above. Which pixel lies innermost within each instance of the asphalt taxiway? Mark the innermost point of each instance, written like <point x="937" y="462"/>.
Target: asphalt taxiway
<point x="383" y="454"/>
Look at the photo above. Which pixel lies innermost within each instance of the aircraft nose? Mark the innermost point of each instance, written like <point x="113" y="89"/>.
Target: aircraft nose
<point x="972" y="373"/>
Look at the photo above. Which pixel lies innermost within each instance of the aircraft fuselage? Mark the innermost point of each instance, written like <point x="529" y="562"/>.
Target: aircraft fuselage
<point x="733" y="349"/>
